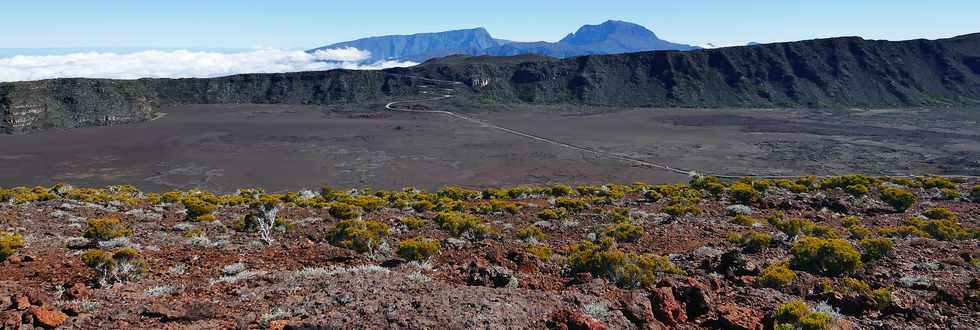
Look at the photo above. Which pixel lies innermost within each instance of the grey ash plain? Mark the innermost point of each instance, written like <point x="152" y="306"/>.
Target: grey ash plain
<point x="282" y="147"/>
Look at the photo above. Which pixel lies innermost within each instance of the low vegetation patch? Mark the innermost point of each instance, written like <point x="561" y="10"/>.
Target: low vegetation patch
<point x="777" y="275"/>
<point x="625" y="232"/>
<point x="461" y="224"/>
<point x="831" y="257"/>
<point x="119" y="265"/>
<point x="358" y="235"/>
<point x="626" y="269"/>
<point x="104" y="229"/>
<point x="900" y="199"/>
<point x="797" y="315"/>
<point x="418" y="249"/>
<point x="9" y="244"/>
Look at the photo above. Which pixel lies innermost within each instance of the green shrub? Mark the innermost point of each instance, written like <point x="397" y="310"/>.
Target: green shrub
<point x="755" y="241"/>
<point x="883" y="298"/>
<point x="652" y="196"/>
<point x="120" y="265"/>
<point x="821" y="231"/>
<point x="744" y="193"/>
<point x="628" y="270"/>
<point x="948" y="194"/>
<point x="946" y="230"/>
<point x="358" y="235"/>
<point x="497" y="206"/>
<point x="458" y="193"/>
<point x="104" y="229"/>
<point x="198" y="209"/>
<point x="796" y="315"/>
<point x="344" y="211"/>
<point x="859" y="232"/>
<point x="975" y="193"/>
<point x="459" y="224"/>
<point x="423" y="206"/>
<point x="625" y="232"/>
<point x="495" y="193"/>
<point x="369" y="203"/>
<point x="939" y="214"/>
<point x="876" y="248"/>
<point x="850" y="221"/>
<point x="9" y="244"/>
<point x="743" y="220"/>
<point x="549" y="214"/>
<point x="846" y="181"/>
<point x="791" y="227"/>
<point x="560" y="190"/>
<point x="682" y="207"/>
<point x="936" y="182"/>
<point x="830" y="257"/>
<point x="792" y="186"/>
<point x="776" y="276"/>
<point x="519" y="192"/>
<point x="900" y="199"/>
<point x="856" y="190"/>
<point x="412" y="222"/>
<point x="531" y="232"/>
<point x="855" y="285"/>
<point x="540" y="251"/>
<point x="901" y="231"/>
<point x="418" y="248"/>
<point x="571" y="204"/>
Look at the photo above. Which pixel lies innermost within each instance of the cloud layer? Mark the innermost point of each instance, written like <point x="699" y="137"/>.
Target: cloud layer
<point x="183" y="64"/>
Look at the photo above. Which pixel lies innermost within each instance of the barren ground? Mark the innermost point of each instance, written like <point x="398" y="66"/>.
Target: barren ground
<point x="224" y="147"/>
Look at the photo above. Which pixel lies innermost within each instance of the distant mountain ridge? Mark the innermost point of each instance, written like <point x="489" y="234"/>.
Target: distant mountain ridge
<point x="610" y="37"/>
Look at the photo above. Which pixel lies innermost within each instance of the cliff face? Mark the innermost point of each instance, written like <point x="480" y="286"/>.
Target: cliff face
<point x="68" y="103"/>
<point x="839" y="72"/>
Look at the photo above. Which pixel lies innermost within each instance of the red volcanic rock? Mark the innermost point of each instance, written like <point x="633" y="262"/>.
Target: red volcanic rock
<point x="738" y="318"/>
<point x="573" y="320"/>
<point x="666" y="308"/>
<point x="48" y="318"/>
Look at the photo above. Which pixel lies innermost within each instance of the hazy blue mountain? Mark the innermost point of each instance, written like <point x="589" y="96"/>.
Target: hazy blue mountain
<point x="611" y="37"/>
<point x="422" y="46"/>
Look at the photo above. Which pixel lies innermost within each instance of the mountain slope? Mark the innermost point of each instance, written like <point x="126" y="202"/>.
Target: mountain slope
<point x="837" y="72"/>
<point x="611" y="37"/>
<point x="423" y="46"/>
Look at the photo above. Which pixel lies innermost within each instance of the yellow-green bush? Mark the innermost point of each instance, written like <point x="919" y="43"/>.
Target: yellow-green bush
<point x="625" y="232"/>
<point x="850" y="221"/>
<point x="743" y="220"/>
<point x="857" y="189"/>
<point x="682" y="206"/>
<point x="652" y="196"/>
<point x="876" y="248"/>
<point x="495" y="193"/>
<point x="846" y="181"/>
<point x="531" y="232"/>
<point x="975" y="193"/>
<point x="418" y="248"/>
<point x="549" y="214"/>
<point x="412" y="222"/>
<point x="796" y="315"/>
<point x="791" y="227"/>
<point x="859" y="232"/>
<point x="900" y="199"/>
<point x="626" y="269"/>
<point x="344" y="211"/>
<point x="777" y="275"/>
<point x="121" y="264"/>
<point x="560" y="190"/>
<point x="368" y="203"/>
<point x="9" y="244"/>
<point x="939" y="214"/>
<point x="497" y="206"/>
<point x="830" y="257"/>
<point x="571" y="204"/>
<point x="358" y="235"/>
<point x="104" y="229"/>
<point x="948" y="194"/>
<point x="946" y="230"/>
<point x="936" y="182"/>
<point x="519" y="192"/>
<point x="459" y="224"/>
<point x="199" y="209"/>
<point x="755" y="241"/>
<point x="540" y="251"/>
<point x="458" y="193"/>
<point x="744" y="193"/>
<point x="423" y="206"/>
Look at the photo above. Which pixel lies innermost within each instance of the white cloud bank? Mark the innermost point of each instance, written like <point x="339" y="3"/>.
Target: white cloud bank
<point x="183" y="64"/>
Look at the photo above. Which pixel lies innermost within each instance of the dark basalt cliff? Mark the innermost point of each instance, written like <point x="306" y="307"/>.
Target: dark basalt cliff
<point x="838" y="72"/>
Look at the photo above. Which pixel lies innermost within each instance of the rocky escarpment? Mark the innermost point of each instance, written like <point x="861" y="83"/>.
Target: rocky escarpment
<point x="68" y="103"/>
<point x="838" y="72"/>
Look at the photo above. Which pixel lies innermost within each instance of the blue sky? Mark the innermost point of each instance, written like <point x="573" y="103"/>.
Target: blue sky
<point x="307" y="24"/>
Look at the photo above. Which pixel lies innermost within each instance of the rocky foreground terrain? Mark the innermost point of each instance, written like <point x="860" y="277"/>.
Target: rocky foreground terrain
<point x="848" y="252"/>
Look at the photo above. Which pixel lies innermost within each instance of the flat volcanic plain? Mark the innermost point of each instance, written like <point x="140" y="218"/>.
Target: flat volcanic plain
<point x="225" y="147"/>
